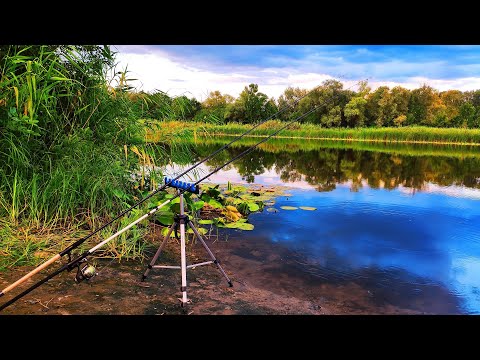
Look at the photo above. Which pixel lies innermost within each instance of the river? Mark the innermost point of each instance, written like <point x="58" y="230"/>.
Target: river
<point x="394" y="227"/>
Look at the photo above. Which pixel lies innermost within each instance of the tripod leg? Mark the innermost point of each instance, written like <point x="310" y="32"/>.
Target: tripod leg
<point x="215" y="261"/>
<point x="157" y="254"/>
<point x="183" y="259"/>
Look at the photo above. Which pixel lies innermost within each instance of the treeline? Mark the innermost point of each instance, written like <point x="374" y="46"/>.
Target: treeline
<point x="337" y="107"/>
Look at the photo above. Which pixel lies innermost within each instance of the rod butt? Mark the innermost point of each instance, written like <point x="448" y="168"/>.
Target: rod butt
<point x="230" y="284"/>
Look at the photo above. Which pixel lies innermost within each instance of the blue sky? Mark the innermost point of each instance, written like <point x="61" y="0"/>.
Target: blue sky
<point x="194" y="70"/>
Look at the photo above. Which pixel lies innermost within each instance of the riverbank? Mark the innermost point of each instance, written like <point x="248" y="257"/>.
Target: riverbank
<point x="260" y="287"/>
<point x="397" y="135"/>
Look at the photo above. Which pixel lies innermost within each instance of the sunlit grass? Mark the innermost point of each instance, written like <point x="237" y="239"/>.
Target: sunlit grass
<point x="414" y="134"/>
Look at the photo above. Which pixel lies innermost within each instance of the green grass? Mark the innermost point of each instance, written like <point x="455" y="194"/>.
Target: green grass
<point x="72" y="151"/>
<point x="279" y="145"/>
<point x="414" y="134"/>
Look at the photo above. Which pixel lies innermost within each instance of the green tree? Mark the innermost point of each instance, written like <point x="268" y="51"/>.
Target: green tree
<point x="325" y="98"/>
<point x="401" y="98"/>
<point x="453" y="100"/>
<point x="355" y="112"/>
<point x="333" y="118"/>
<point x="251" y="106"/>
<point x="288" y="102"/>
<point x="381" y="107"/>
<point x="184" y="108"/>
<point x="467" y="116"/>
<point x="215" y="100"/>
<point x="426" y="106"/>
<point x="214" y="107"/>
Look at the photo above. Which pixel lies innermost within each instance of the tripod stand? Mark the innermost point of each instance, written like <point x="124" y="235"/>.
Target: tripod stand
<point x="181" y="220"/>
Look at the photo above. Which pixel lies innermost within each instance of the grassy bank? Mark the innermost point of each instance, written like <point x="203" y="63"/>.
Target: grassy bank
<point x="281" y="145"/>
<point x="71" y="151"/>
<point x="415" y="134"/>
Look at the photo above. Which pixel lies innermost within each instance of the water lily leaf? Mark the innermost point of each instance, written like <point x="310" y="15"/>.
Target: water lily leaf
<point x="165" y="217"/>
<point x="230" y="200"/>
<point x="239" y="188"/>
<point x="215" y="204"/>
<point x="287" y="195"/>
<point x="248" y="197"/>
<point x="263" y="198"/>
<point x="205" y="222"/>
<point x="201" y="230"/>
<point x="271" y="209"/>
<point x="253" y="207"/>
<point x="270" y="203"/>
<point x="175" y="208"/>
<point x="240" y="225"/>
<point x="245" y="226"/>
<point x="233" y="225"/>
<point x="309" y="208"/>
<point x="288" y="207"/>
<point x="198" y="205"/>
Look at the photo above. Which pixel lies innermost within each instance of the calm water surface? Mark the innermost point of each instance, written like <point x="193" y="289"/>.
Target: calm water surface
<point x="403" y="227"/>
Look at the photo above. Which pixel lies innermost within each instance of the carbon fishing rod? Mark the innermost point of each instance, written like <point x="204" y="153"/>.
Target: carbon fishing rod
<point x="77" y="243"/>
<point x="87" y="272"/>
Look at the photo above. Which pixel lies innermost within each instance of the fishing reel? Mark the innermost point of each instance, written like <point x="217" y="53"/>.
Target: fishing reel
<point x="85" y="271"/>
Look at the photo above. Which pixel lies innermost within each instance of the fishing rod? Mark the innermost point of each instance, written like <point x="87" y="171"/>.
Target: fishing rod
<point x="67" y="251"/>
<point x="86" y="272"/>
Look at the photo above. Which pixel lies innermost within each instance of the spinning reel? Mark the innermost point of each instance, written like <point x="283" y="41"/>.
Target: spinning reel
<point x="85" y="271"/>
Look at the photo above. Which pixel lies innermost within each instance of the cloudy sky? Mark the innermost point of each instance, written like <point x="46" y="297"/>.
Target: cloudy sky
<point x="195" y="70"/>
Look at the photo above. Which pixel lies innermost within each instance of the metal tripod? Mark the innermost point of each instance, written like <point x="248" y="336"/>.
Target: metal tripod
<point x="180" y="221"/>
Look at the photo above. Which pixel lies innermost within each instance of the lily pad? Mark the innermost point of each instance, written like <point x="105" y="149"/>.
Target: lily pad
<point x="253" y="207"/>
<point x="270" y="203"/>
<point x="215" y="204"/>
<point x="309" y="208"/>
<point x="246" y="226"/>
<point x="240" y="225"/>
<point x="165" y="217"/>
<point x="289" y="207"/>
<point x="272" y="209"/>
<point x="201" y="230"/>
<point x="239" y="188"/>
<point x="205" y="222"/>
<point x="198" y="205"/>
<point x="233" y="225"/>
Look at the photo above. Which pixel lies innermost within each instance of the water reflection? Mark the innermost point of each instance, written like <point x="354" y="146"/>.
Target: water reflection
<point x="403" y="227"/>
<point x="386" y="242"/>
<point x="324" y="168"/>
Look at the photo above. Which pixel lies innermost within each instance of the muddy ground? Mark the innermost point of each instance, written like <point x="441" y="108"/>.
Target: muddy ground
<point x="261" y="286"/>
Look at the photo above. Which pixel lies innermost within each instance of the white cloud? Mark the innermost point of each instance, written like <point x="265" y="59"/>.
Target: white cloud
<point x="157" y="69"/>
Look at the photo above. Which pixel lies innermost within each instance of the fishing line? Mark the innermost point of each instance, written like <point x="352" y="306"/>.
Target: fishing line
<point x="82" y="258"/>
